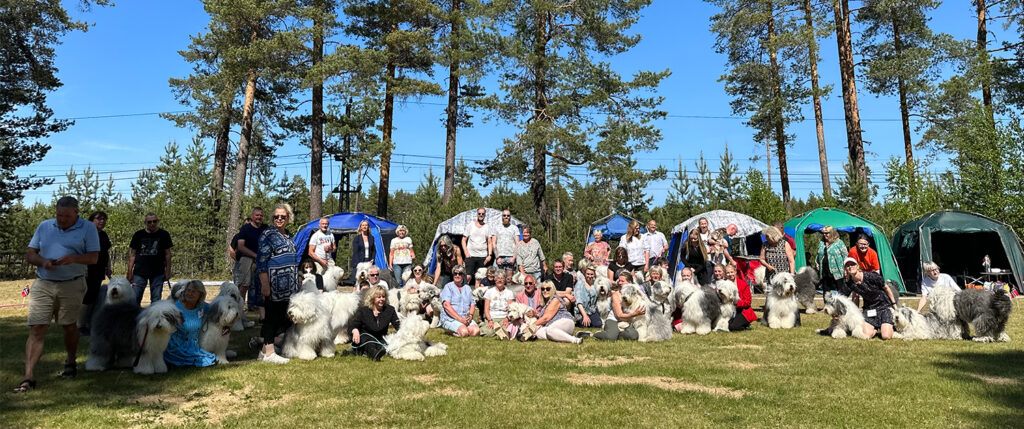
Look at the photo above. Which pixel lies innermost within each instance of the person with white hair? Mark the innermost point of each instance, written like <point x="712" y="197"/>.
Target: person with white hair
<point x="321" y="244"/>
<point x="597" y="251"/>
<point x="654" y="243"/>
<point x="278" y="267"/>
<point x="401" y="256"/>
<point x="933" y="279"/>
<point x="183" y="348"/>
<point x="62" y="248"/>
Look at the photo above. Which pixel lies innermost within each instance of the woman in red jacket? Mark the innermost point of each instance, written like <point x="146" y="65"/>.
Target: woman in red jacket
<point x="744" y="314"/>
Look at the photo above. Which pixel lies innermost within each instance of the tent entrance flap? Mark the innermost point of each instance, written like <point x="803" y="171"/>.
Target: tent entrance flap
<point x="959" y="254"/>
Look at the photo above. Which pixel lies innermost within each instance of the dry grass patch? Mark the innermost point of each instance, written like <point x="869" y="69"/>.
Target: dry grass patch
<point x="998" y="381"/>
<point x="743" y="347"/>
<point x="195" y="407"/>
<point x="447" y="391"/>
<point x="596" y="361"/>
<point x="743" y="365"/>
<point x="425" y="378"/>
<point x="665" y="383"/>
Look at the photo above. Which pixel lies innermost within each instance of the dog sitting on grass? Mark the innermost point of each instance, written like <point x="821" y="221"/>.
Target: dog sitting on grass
<point x="154" y="328"/>
<point x="112" y="341"/>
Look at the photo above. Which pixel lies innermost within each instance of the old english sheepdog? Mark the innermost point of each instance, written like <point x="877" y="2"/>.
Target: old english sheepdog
<point x="604" y="296"/>
<point x="153" y="329"/>
<point x="659" y="313"/>
<point x="847" y="318"/>
<point x="340" y="307"/>
<point x="702" y="308"/>
<point x="229" y="289"/>
<point x="310" y="335"/>
<point x="112" y="341"/>
<point x="362" y="269"/>
<point x="910" y="325"/>
<point x="409" y="342"/>
<point x="215" y="332"/>
<point x="807" y="281"/>
<point x="728" y="294"/>
<point x="781" y="307"/>
<point x="986" y="310"/>
<point x="521" y="323"/>
<point x="332" y="278"/>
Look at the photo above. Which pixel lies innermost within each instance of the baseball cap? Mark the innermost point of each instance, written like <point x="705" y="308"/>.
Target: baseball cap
<point x="849" y="261"/>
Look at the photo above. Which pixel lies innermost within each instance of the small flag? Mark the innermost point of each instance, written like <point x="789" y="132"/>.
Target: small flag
<point x="25" y="291"/>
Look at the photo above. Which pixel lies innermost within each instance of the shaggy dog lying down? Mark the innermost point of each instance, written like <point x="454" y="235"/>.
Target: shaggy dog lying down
<point x="847" y="318"/>
<point x="409" y="342"/>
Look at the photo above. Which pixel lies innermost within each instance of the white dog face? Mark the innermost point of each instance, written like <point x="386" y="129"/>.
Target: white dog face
<point x="119" y="290"/>
<point x="604" y="287"/>
<point x="783" y="284"/>
<point x="517" y="310"/>
<point x="228" y="288"/>
<point x="660" y="291"/>
<point x="302" y="307"/>
<point x="835" y="305"/>
<point x="903" y="318"/>
<point x="631" y="294"/>
<point x="478" y="293"/>
<point x="727" y="291"/>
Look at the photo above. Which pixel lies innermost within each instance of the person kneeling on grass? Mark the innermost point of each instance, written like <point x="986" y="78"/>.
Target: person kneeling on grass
<point x="555" y="322"/>
<point x="496" y="302"/>
<point x="458" y="305"/>
<point x="183" y="348"/>
<point x="879" y="303"/>
<point x="370" y="324"/>
<point x="611" y="330"/>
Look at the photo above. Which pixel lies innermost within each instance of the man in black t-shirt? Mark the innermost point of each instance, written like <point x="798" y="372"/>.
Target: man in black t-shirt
<point x="564" y="282"/>
<point x="879" y="302"/>
<point x="149" y="259"/>
<point x="247" y="245"/>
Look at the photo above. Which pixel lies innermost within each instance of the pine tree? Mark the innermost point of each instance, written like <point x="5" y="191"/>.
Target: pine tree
<point x="848" y="80"/>
<point x="559" y="94"/>
<point x="30" y="31"/>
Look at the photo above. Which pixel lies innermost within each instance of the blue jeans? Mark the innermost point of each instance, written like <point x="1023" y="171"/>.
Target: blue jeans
<point x="156" y="287"/>
<point x="399" y="269"/>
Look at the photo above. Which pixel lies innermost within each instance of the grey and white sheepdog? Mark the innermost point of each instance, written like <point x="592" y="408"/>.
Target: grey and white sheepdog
<point x="112" y="341"/>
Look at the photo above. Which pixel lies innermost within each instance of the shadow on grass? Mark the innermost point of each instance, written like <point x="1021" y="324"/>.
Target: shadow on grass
<point x="995" y="377"/>
<point x="115" y="389"/>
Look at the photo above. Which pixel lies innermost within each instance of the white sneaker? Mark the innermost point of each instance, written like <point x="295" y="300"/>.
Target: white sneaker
<point x="275" y="358"/>
<point x="249" y="323"/>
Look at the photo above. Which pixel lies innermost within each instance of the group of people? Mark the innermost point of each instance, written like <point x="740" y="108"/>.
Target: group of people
<point x="72" y="256"/>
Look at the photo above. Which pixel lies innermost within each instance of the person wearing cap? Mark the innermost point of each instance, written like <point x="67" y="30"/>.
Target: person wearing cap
<point x="831" y="253"/>
<point x="458" y="305"/>
<point x="879" y="302"/>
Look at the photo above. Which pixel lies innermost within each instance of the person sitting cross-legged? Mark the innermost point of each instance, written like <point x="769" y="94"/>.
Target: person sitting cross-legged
<point x="458" y="306"/>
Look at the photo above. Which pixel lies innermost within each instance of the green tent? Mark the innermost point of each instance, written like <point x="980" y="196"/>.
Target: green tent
<point x="957" y="241"/>
<point x="812" y="221"/>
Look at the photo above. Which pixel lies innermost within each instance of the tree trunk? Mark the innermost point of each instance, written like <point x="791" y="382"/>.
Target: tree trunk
<point x="780" y="126"/>
<point x="452" y="122"/>
<point x="854" y="140"/>
<point x="819" y="123"/>
<point x="385" y="154"/>
<point x="242" y="164"/>
<point x="316" y="141"/>
<point x="538" y="185"/>
<point x="220" y="155"/>
<point x="901" y="87"/>
<point x="986" y="87"/>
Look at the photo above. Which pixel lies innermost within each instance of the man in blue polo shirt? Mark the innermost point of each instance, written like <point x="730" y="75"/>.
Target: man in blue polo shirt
<point x="61" y="248"/>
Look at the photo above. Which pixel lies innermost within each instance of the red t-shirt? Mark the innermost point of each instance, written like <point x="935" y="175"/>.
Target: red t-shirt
<point x="867" y="261"/>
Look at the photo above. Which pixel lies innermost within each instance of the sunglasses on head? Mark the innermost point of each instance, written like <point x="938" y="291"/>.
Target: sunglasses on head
<point x="276" y="217"/>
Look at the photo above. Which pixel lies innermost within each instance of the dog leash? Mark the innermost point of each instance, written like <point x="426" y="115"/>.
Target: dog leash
<point x="142" y="346"/>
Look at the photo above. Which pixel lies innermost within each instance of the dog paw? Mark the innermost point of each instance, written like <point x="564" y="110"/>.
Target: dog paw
<point x="811" y="310"/>
<point x="983" y="339"/>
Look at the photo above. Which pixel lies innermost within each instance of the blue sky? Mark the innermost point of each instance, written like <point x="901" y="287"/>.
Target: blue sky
<point x="121" y="66"/>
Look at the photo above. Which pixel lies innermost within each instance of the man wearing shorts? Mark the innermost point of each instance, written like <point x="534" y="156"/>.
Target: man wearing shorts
<point x="878" y="299"/>
<point x="244" y="272"/>
<point x="478" y="243"/>
<point x="506" y="238"/>
<point x="62" y="248"/>
<point x="458" y="306"/>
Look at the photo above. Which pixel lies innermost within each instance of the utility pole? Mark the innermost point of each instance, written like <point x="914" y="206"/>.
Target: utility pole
<point x="344" y="189"/>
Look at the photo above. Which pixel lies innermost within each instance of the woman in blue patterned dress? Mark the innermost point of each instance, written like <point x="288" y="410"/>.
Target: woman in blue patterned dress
<point x="183" y="349"/>
<point x="277" y="263"/>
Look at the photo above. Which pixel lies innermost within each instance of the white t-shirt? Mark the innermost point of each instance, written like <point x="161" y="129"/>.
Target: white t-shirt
<point x="507" y="238"/>
<point x="927" y="284"/>
<point x="635" y="249"/>
<point x="655" y="243"/>
<point x="477" y="240"/>
<point x="402" y="248"/>
<point x="499" y="301"/>
<point x="320" y="242"/>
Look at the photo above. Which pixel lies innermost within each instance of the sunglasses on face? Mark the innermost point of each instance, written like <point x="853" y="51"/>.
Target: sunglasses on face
<point x="456" y="274"/>
<point x="280" y="217"/>
<point x="150" y="222"/>
<point x="417" y="270"/>
<point x="545" y="289"/>
<point x="530" y="283"/>
<point x="373" y="274"/>
<point x="504" y="215"/>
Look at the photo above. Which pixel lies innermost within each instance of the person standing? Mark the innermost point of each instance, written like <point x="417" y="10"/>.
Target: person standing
<point x="831" y="253"/>
<point x="321" y="245"/>
<point x="654" y="244"/>
<point x="278" y="266"/>
<point x="695" y="257"/>
<point x="776" y="255"/>
<point x="149" y="259"/>
<point x="246" y="250"/>
<point x="96" y="273"/>
<point x="62" y="248"/>
<point x="479" y="244"/>
<point x="506" y="241"/>
<point x="530" y="256"/>
<point x="597" y="251"/>
<point x="634" y="244"/>
<point x="363" y="247"/>
<point x="401" y="256"/>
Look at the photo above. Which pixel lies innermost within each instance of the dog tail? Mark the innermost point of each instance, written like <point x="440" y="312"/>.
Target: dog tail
<point x="759" y="275"/>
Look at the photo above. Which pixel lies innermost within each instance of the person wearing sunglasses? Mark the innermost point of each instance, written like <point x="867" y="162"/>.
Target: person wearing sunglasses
<point x="373" y="278"/>
<point x="458" y="306"/>
<point x="149" y="259"/>
<point x="418" y="277"/>
<point x="530" y="296"/>
<point x="555" y="322"/>
<point x="278" y="268"/>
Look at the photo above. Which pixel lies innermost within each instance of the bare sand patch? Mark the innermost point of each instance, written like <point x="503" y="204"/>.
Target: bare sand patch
<point x="998" y="381"/>
<point x="743" y="347"/>
<point x="665" y="383"/>
<point x="208" y="407"/>
<point x="595" y="361"/>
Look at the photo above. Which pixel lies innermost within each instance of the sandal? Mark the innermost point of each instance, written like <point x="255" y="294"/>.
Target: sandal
<point x="25" y="386"/>
<point x="70" y="370"/>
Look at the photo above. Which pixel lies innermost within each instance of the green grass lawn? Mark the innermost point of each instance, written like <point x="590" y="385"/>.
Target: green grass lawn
<point x="758" y="378"/>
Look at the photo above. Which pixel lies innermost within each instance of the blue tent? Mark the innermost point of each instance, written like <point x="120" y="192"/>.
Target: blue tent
<point x="381" y="229"/>
<point x="612" y="227"/>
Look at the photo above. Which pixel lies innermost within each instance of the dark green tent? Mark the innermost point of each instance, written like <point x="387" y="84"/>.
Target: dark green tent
<point x="957" y="241"/>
